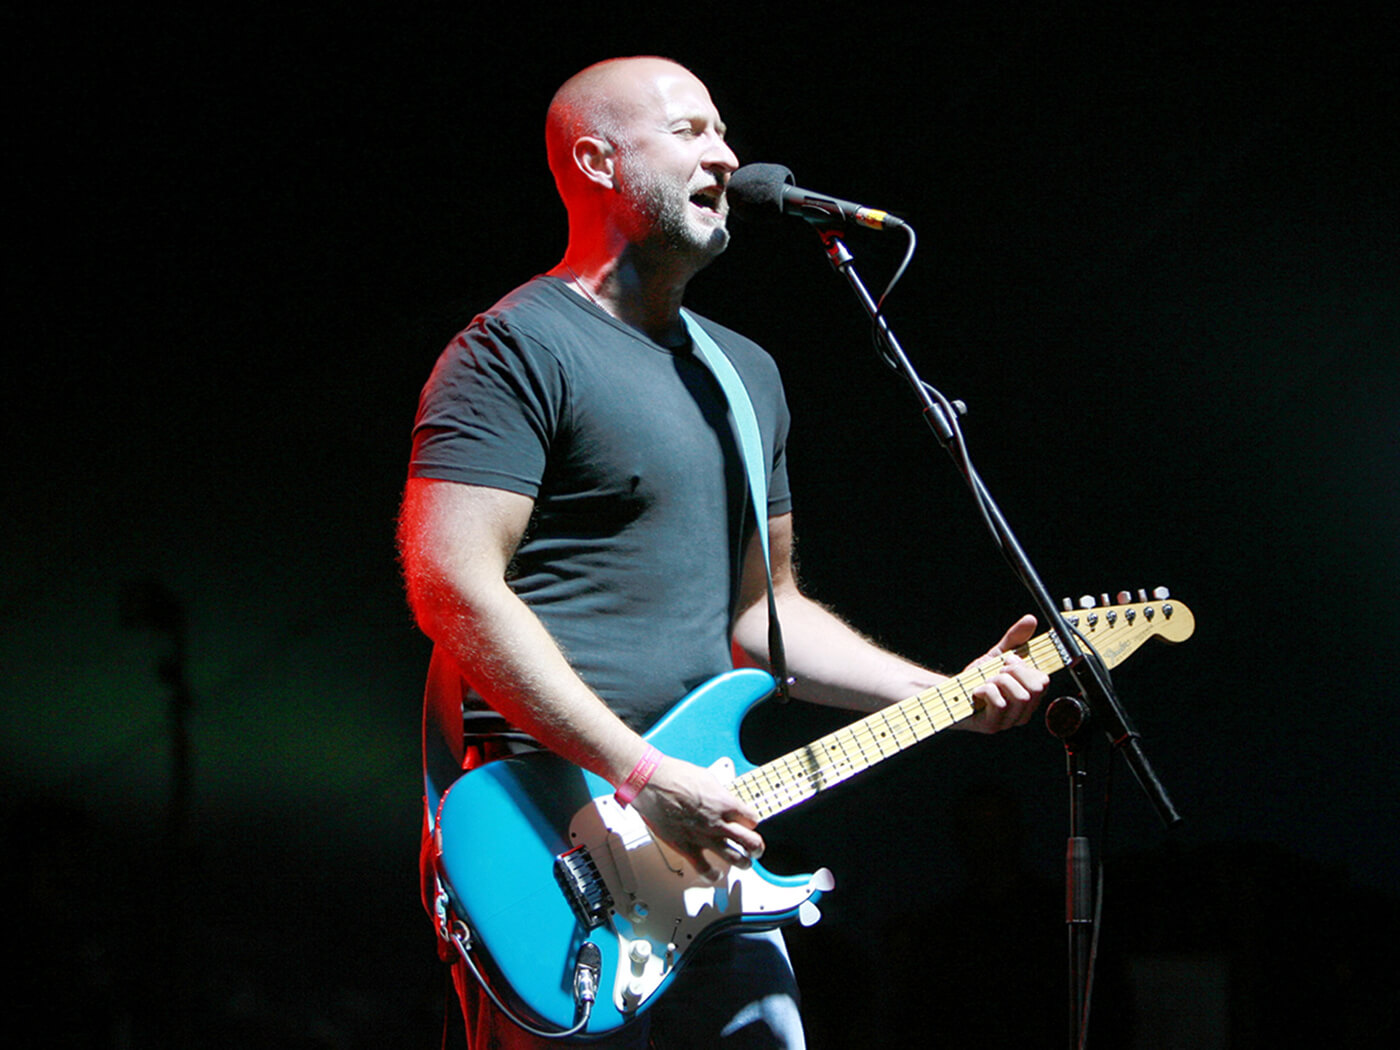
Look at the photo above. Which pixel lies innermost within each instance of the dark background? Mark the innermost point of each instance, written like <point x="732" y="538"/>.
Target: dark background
<point x="1158" y="261"/>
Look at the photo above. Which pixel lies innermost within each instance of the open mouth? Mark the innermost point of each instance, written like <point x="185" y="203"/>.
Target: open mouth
<point x="709" y="200"/>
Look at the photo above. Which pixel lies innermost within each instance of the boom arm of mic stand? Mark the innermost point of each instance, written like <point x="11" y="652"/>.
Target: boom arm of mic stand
<point x="1088" y="673"/>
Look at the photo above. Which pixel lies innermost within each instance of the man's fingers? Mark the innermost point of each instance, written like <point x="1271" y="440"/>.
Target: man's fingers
<point x="1008" y="698"/>
<point x="1019" y="632"/>
<point x="703" y="867"/>
<point x="745" y="841"/>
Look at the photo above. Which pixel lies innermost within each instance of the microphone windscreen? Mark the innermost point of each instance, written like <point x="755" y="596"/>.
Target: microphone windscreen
<point x="756" y="190"/>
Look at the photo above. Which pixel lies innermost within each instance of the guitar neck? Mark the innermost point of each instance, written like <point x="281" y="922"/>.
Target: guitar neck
<point x="799" y="775"/>
<point x="1115" y="632"/>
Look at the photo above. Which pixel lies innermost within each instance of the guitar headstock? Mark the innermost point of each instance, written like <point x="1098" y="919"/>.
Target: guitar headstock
<point x="1117" y="630"/>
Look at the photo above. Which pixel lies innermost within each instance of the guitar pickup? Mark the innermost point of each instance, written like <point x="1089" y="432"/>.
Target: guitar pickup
<point x="583" y="886"/>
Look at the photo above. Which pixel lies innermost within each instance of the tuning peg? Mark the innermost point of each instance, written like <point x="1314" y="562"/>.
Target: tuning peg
<point x="1124" y="597"/>
<point x="1103" y="600"/>
<point x="1161" y="594"/>
<point x="1086" y="601"/>
<point x="1142" y="595"/>
<point x="1067" y="604"/>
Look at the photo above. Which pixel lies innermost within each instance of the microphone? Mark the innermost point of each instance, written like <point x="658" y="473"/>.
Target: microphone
<point x="758" y="188"/>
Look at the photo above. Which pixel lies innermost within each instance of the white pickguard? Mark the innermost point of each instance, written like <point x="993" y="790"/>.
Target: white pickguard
<point x="661" y="905"/>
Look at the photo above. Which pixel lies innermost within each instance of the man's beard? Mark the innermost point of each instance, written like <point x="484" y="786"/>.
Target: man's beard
<point x="662" y="211"/>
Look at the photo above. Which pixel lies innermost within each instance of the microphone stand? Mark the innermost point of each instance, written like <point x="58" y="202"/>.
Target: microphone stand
<point x="1100" y="705"/>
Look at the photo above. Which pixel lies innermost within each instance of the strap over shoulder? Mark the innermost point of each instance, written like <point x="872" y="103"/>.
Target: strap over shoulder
<point x="750" y="441"/>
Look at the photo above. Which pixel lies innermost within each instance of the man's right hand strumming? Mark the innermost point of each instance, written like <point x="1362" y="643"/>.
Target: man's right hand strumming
<point x="687" y="807"/>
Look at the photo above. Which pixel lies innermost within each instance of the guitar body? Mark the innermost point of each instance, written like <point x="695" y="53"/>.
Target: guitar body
<point x="504" y="826"/>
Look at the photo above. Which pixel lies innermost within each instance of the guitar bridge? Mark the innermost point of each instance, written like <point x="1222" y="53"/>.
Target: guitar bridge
<point x="583" y="886"/>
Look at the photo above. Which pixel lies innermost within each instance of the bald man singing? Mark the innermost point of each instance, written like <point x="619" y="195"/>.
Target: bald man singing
<point x="575" y="537"/>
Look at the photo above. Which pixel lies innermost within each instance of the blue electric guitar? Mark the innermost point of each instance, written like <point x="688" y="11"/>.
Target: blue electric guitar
<point x="537" y="858"/>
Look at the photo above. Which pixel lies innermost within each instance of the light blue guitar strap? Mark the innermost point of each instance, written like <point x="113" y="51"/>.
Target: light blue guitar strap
<point x="750" y="441"/>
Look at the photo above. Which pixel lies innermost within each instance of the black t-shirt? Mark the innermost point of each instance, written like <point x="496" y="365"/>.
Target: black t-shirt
<point x="633" y="554"/>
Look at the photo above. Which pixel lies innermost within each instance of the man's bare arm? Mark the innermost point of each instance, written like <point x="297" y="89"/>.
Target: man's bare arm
<point x="455" y="542"/>
<point x="834" y="664"/>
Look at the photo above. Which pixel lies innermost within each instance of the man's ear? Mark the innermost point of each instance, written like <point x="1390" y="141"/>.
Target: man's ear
<point x="597" y="159"/>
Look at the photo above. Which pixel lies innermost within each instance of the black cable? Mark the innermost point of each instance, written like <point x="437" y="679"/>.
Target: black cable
<point x="563" y="1033"/>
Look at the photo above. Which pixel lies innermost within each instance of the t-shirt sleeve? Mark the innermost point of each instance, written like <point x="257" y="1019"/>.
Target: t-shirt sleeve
<point x="488" y="410"/>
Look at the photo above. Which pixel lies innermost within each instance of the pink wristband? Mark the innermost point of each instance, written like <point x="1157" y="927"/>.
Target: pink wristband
<point x="637" y="779"/>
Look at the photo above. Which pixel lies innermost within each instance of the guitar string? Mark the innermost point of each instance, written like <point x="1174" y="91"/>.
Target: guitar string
<point x="808" y="773"/>
<point x="813" y="773"/>
<point x="799" y="775"/>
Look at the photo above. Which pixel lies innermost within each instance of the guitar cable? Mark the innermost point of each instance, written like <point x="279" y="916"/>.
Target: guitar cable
<point x="588" y="966"/>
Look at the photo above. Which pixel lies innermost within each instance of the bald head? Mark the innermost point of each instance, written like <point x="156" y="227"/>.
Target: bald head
<point x="601" y="102"/>
<point x="638" y="154"/>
